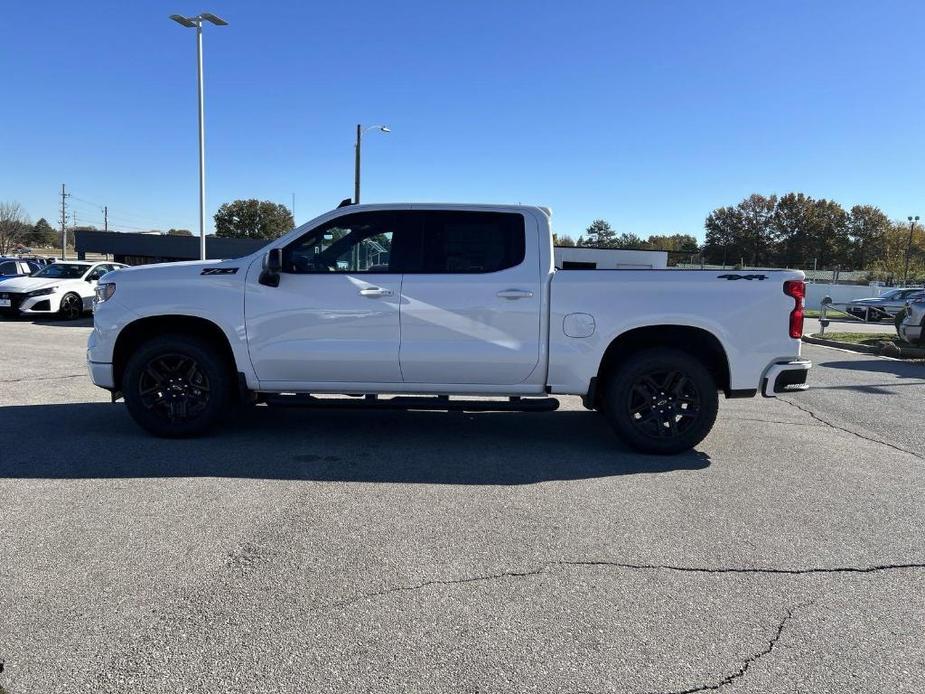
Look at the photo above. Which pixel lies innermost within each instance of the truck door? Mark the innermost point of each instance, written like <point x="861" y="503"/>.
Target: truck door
<point x="470" y="313"/>
<point x="335" y="315"/>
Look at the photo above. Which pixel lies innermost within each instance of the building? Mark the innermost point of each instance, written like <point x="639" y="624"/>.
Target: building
<point x="585" y="258"/>
<point x="142" y="249"/>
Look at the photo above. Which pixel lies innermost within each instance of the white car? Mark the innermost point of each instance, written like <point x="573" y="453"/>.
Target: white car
<point x="65" y="288"/>
<point x="437" y="301"/>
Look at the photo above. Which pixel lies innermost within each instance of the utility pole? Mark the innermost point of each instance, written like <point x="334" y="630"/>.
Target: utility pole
<point x="912" y="221"/>
<point x="293" y="210"/>
<point x="356" y="166"/>
<point x="64" y="197"/>
<point x="356" y="161"/>
<point x="105" y="218"/>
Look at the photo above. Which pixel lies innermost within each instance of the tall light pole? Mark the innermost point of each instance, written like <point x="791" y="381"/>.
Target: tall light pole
<point x="196" y="22"/>
<point x="356" y="171"/>
<point x="912" y="221"/>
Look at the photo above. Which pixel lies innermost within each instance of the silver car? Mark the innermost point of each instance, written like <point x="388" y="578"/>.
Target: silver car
<point x="886" y="305"/>
<point x="911" y="328"/>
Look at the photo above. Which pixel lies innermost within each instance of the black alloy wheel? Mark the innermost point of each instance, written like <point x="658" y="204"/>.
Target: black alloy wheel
<point x="663" y="403"/>
<point x="177" y="385"/>
<point x="661" y="400"/>
<point x="174" y="387"/>
<point x="72" y="306"/>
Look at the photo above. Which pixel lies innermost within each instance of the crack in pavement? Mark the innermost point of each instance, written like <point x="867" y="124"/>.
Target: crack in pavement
<point x="748" y="662"/>
<point x="771" y="421"/>
<point x="544" y="570"/>
<point x="743" y="570"/>
<point x="438" y="582"/>
<point x="41" y="378"/>
<point x="851" y="431"/>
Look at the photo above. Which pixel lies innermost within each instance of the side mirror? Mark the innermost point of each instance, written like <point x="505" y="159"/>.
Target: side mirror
<point x="272" y="265"/>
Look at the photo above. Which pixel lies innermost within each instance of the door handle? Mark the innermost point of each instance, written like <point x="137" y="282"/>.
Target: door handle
<point x="514" y="294"/>
<point x="374" y="292"/>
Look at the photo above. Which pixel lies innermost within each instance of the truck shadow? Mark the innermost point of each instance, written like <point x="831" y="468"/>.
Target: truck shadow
<point x="99" y="441"/>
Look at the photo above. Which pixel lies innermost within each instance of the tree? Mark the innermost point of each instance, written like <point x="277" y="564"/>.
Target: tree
<point x="829" y="233"/>
<point x="628" y="241"/>
<point x="562" y="240"/>
<point x="599" y="234"/>
<point x="724" y="240"/>
<point x="42" y="234"/>
<point x="758" y="231"/>
<point x="867" y="230"/>
<point x="179" y="232"/>
<point x="14" y="226"/>
<point x="252" y="219"/>
<point x="684" y="243"/>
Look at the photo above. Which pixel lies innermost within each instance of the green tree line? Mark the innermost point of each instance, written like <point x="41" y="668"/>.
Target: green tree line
<point x="796" y="230"/>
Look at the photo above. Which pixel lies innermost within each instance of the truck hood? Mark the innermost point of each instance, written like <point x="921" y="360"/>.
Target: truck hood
<point x="185" y="269"/>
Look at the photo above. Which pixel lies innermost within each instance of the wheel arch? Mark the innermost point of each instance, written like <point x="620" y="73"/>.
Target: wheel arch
<point x="699" y="343"/>
<point x="138" y="331"/>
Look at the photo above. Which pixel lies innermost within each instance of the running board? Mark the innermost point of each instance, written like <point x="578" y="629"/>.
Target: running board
<point x="414" y="402"/>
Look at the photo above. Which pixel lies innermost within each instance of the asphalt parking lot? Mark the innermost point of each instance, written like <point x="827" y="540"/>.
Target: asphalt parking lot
<point x="304" y="550"/>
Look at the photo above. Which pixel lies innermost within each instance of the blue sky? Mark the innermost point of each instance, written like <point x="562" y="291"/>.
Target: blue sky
<point x="648" y="114"/>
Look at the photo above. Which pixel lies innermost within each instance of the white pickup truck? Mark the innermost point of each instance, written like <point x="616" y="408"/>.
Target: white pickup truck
<point x="434" y="301"/>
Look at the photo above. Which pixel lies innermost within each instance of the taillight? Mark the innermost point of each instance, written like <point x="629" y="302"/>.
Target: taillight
<point x="796" y="289"/>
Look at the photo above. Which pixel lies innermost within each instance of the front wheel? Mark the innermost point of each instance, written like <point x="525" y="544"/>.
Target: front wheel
<point x="72" y="307"/>
<point x="661" y="401"/>
<point x="176" y="386"/>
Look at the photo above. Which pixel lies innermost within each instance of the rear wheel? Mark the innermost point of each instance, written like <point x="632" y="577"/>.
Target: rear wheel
<point x="72" y="306"/>
<point x="176" y="386"/>
<point x="661" y="401"/>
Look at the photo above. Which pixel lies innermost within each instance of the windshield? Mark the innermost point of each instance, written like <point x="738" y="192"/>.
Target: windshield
<point x="65" y="271"/>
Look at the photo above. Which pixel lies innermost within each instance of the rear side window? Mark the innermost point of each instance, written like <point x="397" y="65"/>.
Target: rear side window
<point x="472" y="242"/>
<point x="8" y="268"/>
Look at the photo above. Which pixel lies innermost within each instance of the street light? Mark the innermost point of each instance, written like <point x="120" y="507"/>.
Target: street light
<point x="356" y="172"/>
<point x="912" y="221"/>
<point x="196" y="22"/>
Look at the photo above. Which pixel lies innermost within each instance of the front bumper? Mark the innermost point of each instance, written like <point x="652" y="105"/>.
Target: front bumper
<point x="785" y="375"/>
<point x="24" y="305"/>
<point x="910" y="332"/>
<point x="100" y="374"/>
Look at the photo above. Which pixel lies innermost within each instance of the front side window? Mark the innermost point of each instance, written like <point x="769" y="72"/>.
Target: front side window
<point x="8" y="268"/>
<point x="98" y="272"/>
<point x="366" y="242"/>
<point x="472" y="242"/>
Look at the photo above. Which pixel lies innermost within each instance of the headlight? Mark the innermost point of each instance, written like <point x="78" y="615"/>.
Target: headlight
<point x="104" y="291"/>
<point x="43" y="292"/>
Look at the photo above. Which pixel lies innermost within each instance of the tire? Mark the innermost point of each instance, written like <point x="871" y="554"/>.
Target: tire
<point x="661" y="401"/>
<point x="71" y="307"/>
<point x="177" y="386"/>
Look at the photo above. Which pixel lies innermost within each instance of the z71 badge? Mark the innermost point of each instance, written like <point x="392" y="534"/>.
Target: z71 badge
<point x="219" y="271"/>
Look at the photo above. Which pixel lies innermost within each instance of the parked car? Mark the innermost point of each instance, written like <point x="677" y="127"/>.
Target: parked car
<point x="16" y="267"/>
<point x="438" y="300"/>
<point x="66" y="288"/>
<point x="884" y="306"/>
<point x="912" y="329"/>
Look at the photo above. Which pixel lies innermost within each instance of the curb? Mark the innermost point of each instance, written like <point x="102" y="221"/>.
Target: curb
<point x="888" y="349"/>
